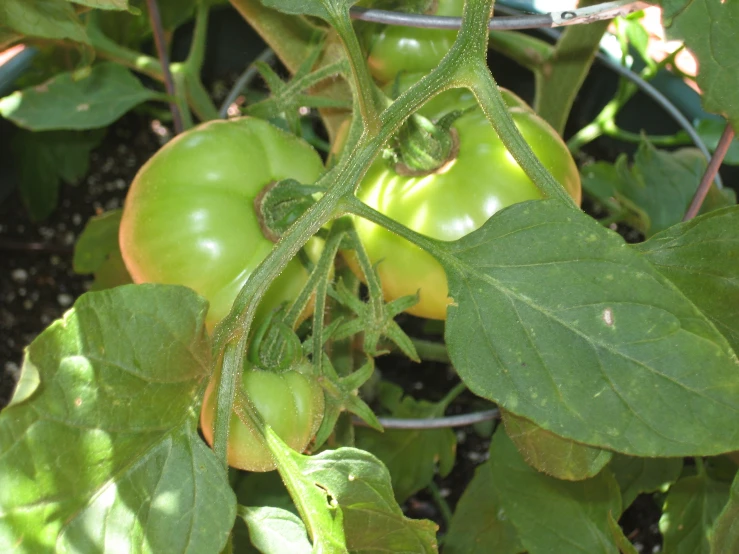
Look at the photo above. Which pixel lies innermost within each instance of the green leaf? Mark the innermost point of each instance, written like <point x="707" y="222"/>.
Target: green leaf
<point x="98" y="239"/>
<point x="53" y="19"/>
<point x="109" y="91"/>
<point x="552" y="454"/>
<point x="479" y="526"/>
<point x="316" y="8"/>
<point x="725" y="537"/>
<point x="558" y="321"/>
<point x="349" y="487"/>
<point x="623" y="543"/>
<point x="660" y="185"/>
<point x="701" y="258"/>
<point x="104" y="4"/>
<point x="551" y="515"/>
<point x="412" y="455"/>
<point x="708" y="29"/>
<point x="105" y="450"/>
<point x="690" y="509"/>
<point x="97" y="251"/>
<point x="639" y="475"/>
<point x="275" y="531"/>
<point x="44" y="160"/>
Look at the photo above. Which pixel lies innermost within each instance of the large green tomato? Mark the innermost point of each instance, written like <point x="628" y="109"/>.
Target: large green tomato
<point x="291" y="403"/>
<point x="456" y="199"/>
<point x="394" y="49"/>
<point x="189" y="218"/>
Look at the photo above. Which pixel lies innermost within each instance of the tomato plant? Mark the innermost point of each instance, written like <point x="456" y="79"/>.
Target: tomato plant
<point x="290" y="402"/>
<point x="584" y="345"/>
<point x="456" y="199"/>
<point x="189" y="218"/>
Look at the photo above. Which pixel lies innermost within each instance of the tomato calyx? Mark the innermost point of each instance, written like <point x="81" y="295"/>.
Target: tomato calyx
<point x="423" y="147"/>
<point x="279" y="204"/>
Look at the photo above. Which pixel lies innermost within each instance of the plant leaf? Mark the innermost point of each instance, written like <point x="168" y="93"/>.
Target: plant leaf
<point x="104" y="4"/>
<point x="349" y="487"/>
<point x="316" y="8"/>
<point x="638" y="475"/>
<point x="477" y="526"/>
<point x="412" y="456"/>
<point x="109" y="91"/>
<point x="551" y="454"/>
<point x="708" y="29"/>
<point x="623" y="543"/>
<point x="659" y="185"/>
<point x="105" y="450"/>
<point x="44" y="160"/>
<point x="690" y="509"/>
<point x="725" y="537"/>
<point x="551" y="515"/>
<point x="701" y="257"/>
<point x="557" y="321"/>
<point x="54" y="19"/>
<point x="98" y="239"/>
<point x="275" y="531"/>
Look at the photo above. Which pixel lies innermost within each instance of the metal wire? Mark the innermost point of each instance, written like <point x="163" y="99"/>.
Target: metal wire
<point x="461" y="420"/>
<point x="606" y="10"/>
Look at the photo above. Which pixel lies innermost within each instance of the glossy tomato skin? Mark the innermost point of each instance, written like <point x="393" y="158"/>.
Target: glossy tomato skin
<point x="455" y="200"/>
<point x="189" y="217"/>
<point x="291" y="403"/>
<point x="394" y="49"/>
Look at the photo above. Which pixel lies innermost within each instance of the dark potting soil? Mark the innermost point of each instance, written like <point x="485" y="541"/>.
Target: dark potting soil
<point x="37" y="285"/>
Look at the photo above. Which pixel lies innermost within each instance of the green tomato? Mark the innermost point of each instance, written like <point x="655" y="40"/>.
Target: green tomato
<point x="394" y="49"/>
<point x="455" y="200"/>
<point x="189" y="218"/>
<point x="291" y="403"/>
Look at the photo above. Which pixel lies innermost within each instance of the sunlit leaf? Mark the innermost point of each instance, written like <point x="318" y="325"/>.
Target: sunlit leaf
<point x="558" y="321"/>
<point x="708" y="29"/>
<point x="104" y="451"/>
<point x="690" y="509"/>
<point x="65" y="102"/>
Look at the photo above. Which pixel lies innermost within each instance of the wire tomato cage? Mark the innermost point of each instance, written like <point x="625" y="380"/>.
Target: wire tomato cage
<point x="513" y="19"/>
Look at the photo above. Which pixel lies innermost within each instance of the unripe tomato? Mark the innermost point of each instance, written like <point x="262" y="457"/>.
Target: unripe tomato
<point x="394" y="49"/>
<point x="189" y="217"/>
<point x="290" y="402"/>
<point x="456" y="199"/>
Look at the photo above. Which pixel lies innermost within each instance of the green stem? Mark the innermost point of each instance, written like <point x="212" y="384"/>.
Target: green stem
<point x="180" y="86"/>
<point x="431" y="351"/>
<point x="657" y="140"/>
<point x="137" y="61"/>
<point x="527" y="51"/>
<point x="452" y="395"/>
<point x="363" y="84"/>
<point x="231" y="335"/>
<point x="196" y="56"/>
<point x="492" y="103"/>
<point x="198" y="97"/>
<point x="446" y="512"/>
